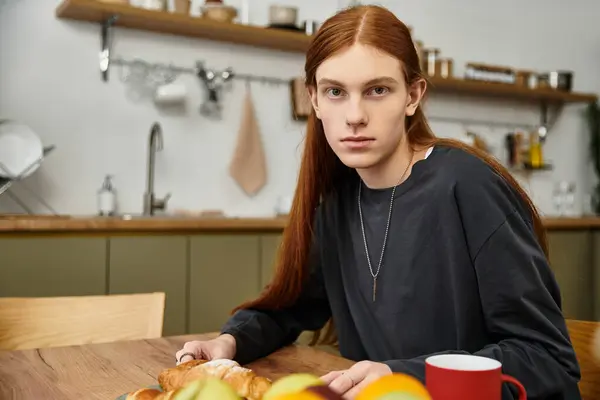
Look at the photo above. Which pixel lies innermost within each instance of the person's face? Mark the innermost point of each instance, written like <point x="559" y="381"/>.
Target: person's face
<point x="362" y="100"/>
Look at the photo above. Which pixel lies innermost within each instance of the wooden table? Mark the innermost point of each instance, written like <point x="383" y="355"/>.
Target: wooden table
<point x="106" y="371"/>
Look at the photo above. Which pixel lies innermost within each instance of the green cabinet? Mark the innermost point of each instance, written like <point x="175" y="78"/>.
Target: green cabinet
<point x="595" y="297"/>
<point x="571" y="255"/>
<point x="141" y="264"/>
<point x="224" y="272"/>
<point x="206" y="275"/>
<point x="52" y="266"/>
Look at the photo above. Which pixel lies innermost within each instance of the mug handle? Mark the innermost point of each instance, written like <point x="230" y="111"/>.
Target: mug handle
<point x="521" y="389"/>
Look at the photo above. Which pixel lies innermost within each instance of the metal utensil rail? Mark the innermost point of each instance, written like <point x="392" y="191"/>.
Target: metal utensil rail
<point x="10" y="178"/>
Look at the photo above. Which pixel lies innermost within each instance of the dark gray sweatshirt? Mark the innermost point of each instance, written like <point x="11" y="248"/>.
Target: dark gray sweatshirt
<point x="462" y="273"/>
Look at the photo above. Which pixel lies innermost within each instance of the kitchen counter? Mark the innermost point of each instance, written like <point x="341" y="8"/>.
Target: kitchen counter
<point x="179" y="224"/>
<point x="558" y="223"/>
<point x="163" y="224"/>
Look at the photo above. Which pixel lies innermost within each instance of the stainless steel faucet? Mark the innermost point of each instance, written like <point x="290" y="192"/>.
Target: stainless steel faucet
<point x="151" y="203"/>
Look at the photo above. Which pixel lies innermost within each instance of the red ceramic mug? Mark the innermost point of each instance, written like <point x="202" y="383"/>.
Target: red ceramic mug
<point x="466" y="377"/>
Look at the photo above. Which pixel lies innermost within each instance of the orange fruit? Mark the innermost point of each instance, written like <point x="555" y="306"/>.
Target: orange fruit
<point x="299" y="396"/>
<point x="394" y="383"/>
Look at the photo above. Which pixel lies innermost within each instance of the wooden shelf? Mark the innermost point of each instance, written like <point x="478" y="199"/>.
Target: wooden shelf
<point x="528" y="170"/>
<point x="491" y="89"/>
<point x="183" y="25"/>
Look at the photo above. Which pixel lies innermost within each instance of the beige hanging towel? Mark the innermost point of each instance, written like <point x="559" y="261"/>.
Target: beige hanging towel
<point x="248" y="166"/>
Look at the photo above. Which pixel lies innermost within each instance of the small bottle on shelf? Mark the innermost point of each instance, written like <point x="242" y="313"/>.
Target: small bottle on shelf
<point x="536" y="160"/>
<point x="518" y="152"/>
<point x="107" y="198"/>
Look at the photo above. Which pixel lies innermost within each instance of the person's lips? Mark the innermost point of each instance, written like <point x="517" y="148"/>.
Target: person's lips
<point x="357" y="142"/>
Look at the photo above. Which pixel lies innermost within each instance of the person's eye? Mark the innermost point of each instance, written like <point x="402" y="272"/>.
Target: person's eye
<point x="334" y="92"/>
<point x="378" y="91"/>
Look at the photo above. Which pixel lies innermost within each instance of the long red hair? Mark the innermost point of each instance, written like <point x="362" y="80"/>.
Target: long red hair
<point x="320" y="168"/>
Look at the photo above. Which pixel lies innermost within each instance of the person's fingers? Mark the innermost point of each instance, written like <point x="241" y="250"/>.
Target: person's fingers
<point x="182" y="357"/>
<point x="342" y="383"/>
<point x="191" y="350"/>
<point x="191" y="346"/>
<point x="198" y="348"/>
<point x="352" y="393"/>
<point x="329" y="377"/>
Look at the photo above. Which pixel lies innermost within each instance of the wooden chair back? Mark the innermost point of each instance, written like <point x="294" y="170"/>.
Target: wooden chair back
<point x="586" y="342"/>
<point x="41" y="322"/>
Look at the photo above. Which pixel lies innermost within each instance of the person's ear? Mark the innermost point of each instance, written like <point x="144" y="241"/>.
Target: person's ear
<point x="415" y="94"/>
<point x="312" y="92"/>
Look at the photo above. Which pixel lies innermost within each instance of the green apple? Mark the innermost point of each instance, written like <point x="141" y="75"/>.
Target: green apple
<point x="190" y="391"/>
<point x="292" y="383"/>
<point x="323" y="392"/>
<point x="207" y="389"/>
<point x="214" y="388"/>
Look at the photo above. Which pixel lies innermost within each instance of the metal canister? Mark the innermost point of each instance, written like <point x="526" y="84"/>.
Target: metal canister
<point x="561" y="80"/>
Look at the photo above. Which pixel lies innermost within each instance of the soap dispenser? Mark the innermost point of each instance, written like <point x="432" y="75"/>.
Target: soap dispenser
<point x="107" y="198"/>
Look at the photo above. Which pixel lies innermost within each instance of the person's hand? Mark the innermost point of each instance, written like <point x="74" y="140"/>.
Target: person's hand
<point x="221" y="347"/>
<point x="348" y="383"/>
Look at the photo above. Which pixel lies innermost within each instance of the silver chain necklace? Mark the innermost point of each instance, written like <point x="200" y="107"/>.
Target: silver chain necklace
<point x="387" y="227"/>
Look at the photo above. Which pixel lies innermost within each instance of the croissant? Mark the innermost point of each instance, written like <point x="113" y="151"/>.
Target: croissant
<point x="154" y="394"/>
<point x="151" y="394"/>
<point x="171" y="378"/>
<point x="244" y="381"/>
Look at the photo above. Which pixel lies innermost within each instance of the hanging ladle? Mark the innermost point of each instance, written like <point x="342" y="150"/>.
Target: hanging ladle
<point x="213" y="82"/>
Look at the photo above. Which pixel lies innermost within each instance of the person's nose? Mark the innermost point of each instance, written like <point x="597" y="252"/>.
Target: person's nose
<point x="356" y="114"/>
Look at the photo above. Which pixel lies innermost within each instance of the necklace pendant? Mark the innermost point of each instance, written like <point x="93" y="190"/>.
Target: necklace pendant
<point x="374" y="289"/>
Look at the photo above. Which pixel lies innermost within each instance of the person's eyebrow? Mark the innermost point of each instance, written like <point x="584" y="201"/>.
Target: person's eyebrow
<point x="375" y="81"/>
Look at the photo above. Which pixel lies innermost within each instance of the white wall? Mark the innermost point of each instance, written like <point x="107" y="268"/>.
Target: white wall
<point x="49" y="79"/>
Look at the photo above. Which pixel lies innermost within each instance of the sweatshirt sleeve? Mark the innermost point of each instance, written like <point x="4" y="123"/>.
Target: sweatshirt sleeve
<point x="261" y="332"/>
<point x="521" y="304"/>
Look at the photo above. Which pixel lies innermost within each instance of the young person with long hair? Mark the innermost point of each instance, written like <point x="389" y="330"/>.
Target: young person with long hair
<point x="409" y="245"/>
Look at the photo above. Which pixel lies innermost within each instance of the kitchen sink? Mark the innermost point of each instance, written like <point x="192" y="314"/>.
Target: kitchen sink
<point x="159" y="216"/>
<point x="137" y="216"/>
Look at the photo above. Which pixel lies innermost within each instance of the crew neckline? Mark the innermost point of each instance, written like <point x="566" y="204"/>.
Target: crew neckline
<point x="417" y="170"/>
